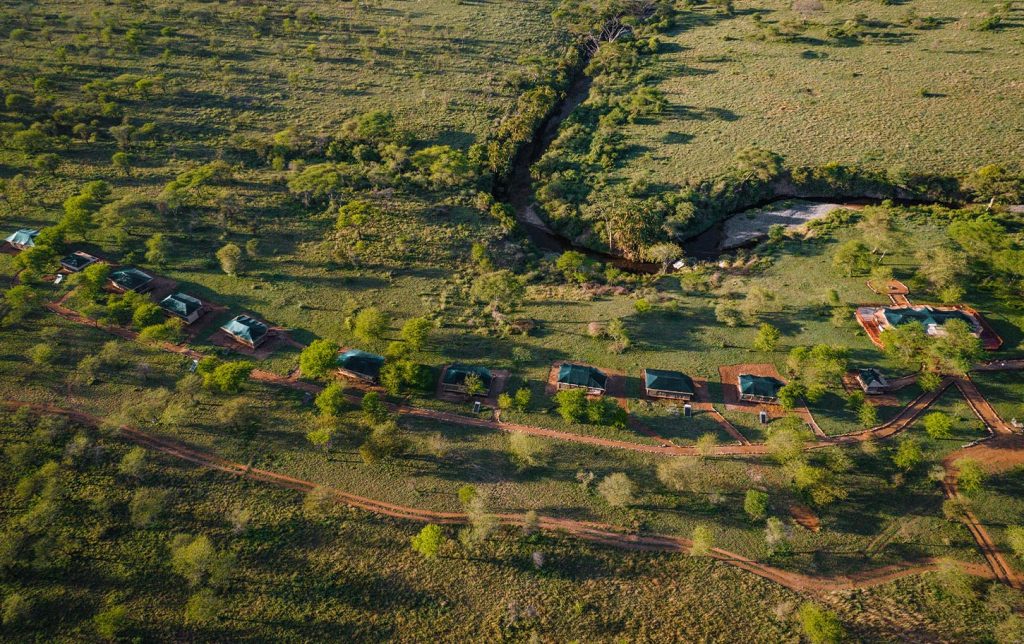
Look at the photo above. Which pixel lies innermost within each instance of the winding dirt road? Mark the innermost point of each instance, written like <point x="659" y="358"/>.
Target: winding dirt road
<point x="589" y="531"/>
<point x="599" y="533"/>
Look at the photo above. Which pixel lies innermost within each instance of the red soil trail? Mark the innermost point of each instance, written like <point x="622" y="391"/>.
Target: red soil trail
<point x="589" y="531"/>
<point x="724" y="423"/>
<point x="982" y="408"/>
<point x="1002" y="452"/>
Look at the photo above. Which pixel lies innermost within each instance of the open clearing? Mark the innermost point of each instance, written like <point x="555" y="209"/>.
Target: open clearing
<point x="943" y="99"/>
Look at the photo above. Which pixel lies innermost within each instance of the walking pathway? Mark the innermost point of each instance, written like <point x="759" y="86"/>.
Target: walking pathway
<point x="589" y="531"/>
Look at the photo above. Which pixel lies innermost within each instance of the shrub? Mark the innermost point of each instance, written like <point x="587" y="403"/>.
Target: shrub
<point x="169" y="331"/>
<point x="821" y="626"/>
<point x="701" y="541"/>
<point x="231" y="259"/>
<point x="867" y="415"/>
<point x="429" y="541"/>
<point x="16" y="609"/>
<point x="1015" y="537"/>
<point x="146" y="505"/>
<point x="202" y="607"/>
<point x="319" y="359"/>
<point x="755" y="504"/>
<point x="370" y="324"/>
<point x="521" y="400"/>
<point x="526" y="450"/>
<point x="617" y="489"/>
<point x="767" y="338"/>
<point x="416" y="333"/>
<point x="572" y="405"/>
<point x="111" y="623"/>
<point x="908" y="455"/>
<point x="938" y="425"/>
<point x="331" y="400"/>
<point x="970" y="477"/>
<point x="147" y="314"/>
<point x="225" y="377"/>
<point x="196" y="559"/>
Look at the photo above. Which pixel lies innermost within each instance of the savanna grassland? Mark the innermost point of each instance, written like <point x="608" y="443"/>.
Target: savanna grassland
<point x="302" y="571"/>
<point x="912" y="85"/>
<point x="357" y="174"/>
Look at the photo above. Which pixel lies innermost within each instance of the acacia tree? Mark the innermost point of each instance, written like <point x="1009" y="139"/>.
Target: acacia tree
<point x="877" y="228"/>
<point x="852" y="257"/>
<point x="370" y="323"/>
<point x="416" y="333"/>
<point x="664" y="253"/>
<point x="502" y="290"/>
<point x="617" y="489"/>
<point x="767" y="338"/>
<point x="319" y="359"/>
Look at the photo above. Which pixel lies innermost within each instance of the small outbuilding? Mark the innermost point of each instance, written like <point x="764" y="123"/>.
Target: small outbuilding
<point x="131" y="279"/>
<point x="456" y="377"/>
<point x="23" y="239"/>
<point x="872" y="381"/>
<point x="660" y="383"/>
<point x="360" y="365"/>
<point x="578" y="376"/>
<point x="78" y="261"/>
<point x="249" y="331"/>
<point x="760" y="389"/>
<point x="183" y="306"/>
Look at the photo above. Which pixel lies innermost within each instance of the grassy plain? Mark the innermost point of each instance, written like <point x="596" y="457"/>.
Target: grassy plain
<point x="946" y="98"/>
<point x="312" y="575"/>
<point x="447" y="71"/>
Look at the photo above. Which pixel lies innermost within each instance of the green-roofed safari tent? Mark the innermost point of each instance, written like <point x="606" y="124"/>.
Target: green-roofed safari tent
<point x="131" y="279"/>
<point x="762" y="389"/>
<point x="23" y="239"/>
<point x="456" y="376"/>
<point x="579" y="376"/>
<point x="660" y="383"/>
<point x="183" y="306"/>
<point x="247" y="330"/>
<point x="872" y="381"/>
<point x="360" y="365"/>
<point x="78" y="261"/>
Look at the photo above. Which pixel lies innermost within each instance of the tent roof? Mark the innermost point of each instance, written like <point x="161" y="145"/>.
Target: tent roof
<point x="361" y="362"/>
<point x="130" y="278"/>
<point x="871" y="375"/>
<point x="246" y="328"/>
<point x="662" y="380"/>
<point x="78" y="260"/>
<point x="23" y="237"/>
<point x="925" y="315"/>
<point x="761" y="386"/>
<point x="456" y="374"/>
<point x="181" y="304"/>
<point x="581" y="376"/>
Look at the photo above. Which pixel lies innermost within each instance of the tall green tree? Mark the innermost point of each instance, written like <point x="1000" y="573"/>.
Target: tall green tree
<point x="319" y="359"/>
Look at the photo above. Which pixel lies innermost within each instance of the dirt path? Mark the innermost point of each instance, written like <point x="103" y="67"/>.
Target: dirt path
<point x="292" y="381"/>
<point x="1010" y="451"/>
<point x="886" y="430"/>
<point x="589" y="531"/>
<point x="724" y="423"/>
<point x="982" y="408"/>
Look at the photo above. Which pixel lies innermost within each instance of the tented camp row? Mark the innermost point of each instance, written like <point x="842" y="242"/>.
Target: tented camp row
<point x="456" y="378"/>
<point x="658" y="383"/>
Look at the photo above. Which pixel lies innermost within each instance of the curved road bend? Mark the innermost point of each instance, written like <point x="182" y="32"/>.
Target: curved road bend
<point x="589" y="531"/>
